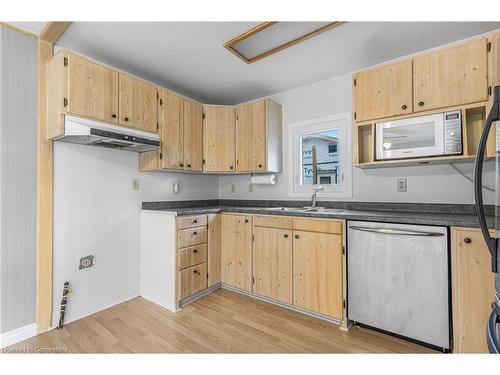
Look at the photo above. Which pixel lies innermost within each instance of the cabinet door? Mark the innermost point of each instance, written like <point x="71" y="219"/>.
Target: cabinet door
<point x="191" y="280"/>
<point x="272" y="263"/>
<point x="473" y="290"/>
<point x="236" y="251"/>
<point x="172" y="131"/>
<point x="219" y="126"/>
<point x="193" y="136"/>
<point x="251" y="137"/>
<point x="384" y="91"/>
<point x="451" y="77"/>
<point x="317" y="272"/>
<point x="92" y="90"/>
<point x="214" y="249"/>
<point x="138" y="102"/>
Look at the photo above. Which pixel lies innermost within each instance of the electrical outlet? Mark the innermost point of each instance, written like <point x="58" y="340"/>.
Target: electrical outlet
<point x="402" y="185"/>
<point x="232" y="188"/>
<point x="135" y="184"/>
<point x="86" y="262"/>
<point x="250" y="188"/>
<point x="175" y="187"/>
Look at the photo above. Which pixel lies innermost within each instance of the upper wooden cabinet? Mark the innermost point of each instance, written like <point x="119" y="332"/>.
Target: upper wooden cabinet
<point x="258" y="137"/>
<point x="193" y="136"/>
<point x="473" y="290"/>
<point x="219" y="126"/>
<point x="236" y="251"/>
<point x="383" y="92"/>
<point x="138" y="103"/>
<point x="181" y="132"/>
<point x="81" y="87"/>
<point x="92" y="89"/>
<point x="446" y="78"/>
<point x="450" y="77"/>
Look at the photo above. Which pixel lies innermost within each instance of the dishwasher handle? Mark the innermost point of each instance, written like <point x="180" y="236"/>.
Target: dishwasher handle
<point x="397" y="232"/>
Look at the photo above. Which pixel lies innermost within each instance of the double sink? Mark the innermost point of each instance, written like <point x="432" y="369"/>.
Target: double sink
<point x="308" y="209"/>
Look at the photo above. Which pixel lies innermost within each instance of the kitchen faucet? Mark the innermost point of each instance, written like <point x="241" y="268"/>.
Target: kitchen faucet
<point x="314" y="198"/>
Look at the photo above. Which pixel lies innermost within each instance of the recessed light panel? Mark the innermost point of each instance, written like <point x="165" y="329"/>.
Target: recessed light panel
<point x="271" y="37"/>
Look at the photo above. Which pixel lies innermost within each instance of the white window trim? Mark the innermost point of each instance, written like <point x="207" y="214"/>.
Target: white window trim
<point x="295" y="131"/>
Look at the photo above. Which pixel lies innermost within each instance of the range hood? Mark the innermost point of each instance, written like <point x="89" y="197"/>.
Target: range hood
<point x="93" y="133"/>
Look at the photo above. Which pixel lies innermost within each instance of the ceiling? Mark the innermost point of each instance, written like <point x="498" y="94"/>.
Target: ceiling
<point x="189" y="57"/>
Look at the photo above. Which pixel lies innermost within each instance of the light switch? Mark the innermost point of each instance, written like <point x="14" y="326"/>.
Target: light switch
<point x="175" y="187"/>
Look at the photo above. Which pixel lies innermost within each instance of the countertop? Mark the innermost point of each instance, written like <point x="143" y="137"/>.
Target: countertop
<point x="458" y="217"/>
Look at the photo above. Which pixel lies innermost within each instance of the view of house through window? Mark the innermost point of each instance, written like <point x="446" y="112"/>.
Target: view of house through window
<point x="320" y="158"/>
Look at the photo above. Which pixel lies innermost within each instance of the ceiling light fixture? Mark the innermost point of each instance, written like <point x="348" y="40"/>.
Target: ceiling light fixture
<point x="268" y="38"/>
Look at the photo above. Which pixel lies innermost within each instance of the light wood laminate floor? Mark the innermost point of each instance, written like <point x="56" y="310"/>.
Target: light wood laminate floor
<point x="222" y="322"/>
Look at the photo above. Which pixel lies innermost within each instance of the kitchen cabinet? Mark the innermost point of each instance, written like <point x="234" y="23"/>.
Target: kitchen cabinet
<point x="171" y="130"/>
<point x="138" y="104"/>
<point x="192" y="280"/>
<point x="181" y="133"/>
<point x="193" y="136"/>
<point x="272" y="263"/>
<point x="317" y="272"/>
<point x="81" y="87"/>
<point x="92" y="89"/>
<point x="214" y="249"/>
<point x="258" y="137"/>
<point x="236" y="251"/>
<point x="219" y="127"/>
<point x="450" y="77"/>
<point x="383" y="92"/>
<point x="473" y="290"/>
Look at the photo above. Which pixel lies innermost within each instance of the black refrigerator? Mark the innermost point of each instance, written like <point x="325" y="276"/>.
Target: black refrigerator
<point x="493" y="325"/>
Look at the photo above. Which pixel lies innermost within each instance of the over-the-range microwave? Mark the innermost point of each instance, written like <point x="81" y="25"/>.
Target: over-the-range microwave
<point x="431" y="135"/>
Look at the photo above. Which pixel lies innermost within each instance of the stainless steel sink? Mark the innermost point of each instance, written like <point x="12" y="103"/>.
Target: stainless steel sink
<point x="285" y="209"/>
<point x="308" y="209"/>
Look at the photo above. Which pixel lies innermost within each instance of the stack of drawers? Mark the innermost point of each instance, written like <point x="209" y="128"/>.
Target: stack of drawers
<point x="191" y="255"/>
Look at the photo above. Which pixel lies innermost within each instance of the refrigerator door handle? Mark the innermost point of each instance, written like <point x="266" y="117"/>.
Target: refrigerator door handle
<point x="478" y="180"/>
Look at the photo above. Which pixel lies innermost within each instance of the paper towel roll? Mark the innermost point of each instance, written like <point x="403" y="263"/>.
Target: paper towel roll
<point x="269" y="179"/>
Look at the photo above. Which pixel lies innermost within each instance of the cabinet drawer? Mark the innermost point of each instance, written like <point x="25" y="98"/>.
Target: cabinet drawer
<point x="192" y="236"/>
<point x="189" y="256"/>
<point x="273" y="222"/>
<point x="318" y="225"/>
<point x="192" y="280"/>
<point x="191" y="221"/>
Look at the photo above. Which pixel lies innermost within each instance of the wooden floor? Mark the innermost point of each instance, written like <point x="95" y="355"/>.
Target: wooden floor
<point x="222" y="322"/>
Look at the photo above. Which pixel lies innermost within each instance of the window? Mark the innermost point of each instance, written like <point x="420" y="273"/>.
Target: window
<point x="321" y="151"/>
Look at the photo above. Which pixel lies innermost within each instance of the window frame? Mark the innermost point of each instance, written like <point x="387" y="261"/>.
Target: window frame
<point x="342" y="121"/>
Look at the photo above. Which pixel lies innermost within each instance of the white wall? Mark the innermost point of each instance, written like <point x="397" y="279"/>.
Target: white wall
<point x="97" y="212"/>
<point x="426" y="183"/>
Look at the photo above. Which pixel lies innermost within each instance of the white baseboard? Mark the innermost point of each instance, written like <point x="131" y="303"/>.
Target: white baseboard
<point x="17" y="335"/>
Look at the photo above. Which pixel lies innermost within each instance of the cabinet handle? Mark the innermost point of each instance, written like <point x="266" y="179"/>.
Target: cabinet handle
<point x="195" y="251"/>
<point x="285" y="235"/>
<point x="467" y="240"/>
<point x="195" y="233"/>
<point x="189" y="165"/>
<point x="125" y="118"/>
<point x="182" y="165"/>
<point x="246" y="220"/>
<point x="231" y="167"/>
<point x="404" y="106"/>
<point x="421" y="104"/>
<point x="195" y="271"/>
<point x="195" y="221"/>
<point x="297" y="236"/>
<point x="260" y="165"/>
<point x="113" y="115"/>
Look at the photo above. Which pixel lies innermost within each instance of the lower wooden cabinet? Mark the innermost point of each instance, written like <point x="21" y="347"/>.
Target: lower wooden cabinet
<point x="236" y="251"/>
<point x="214" y="249"/>
<point x="317" y="272"/>
<point x="192" y="280"/>
<point x="272" y="263"/>
<point x="473" y="290"/>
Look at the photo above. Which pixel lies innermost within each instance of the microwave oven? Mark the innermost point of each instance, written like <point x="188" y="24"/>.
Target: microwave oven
<point x="415" y="137"/>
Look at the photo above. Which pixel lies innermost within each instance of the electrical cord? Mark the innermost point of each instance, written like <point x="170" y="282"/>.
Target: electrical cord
<point x="470" y="179"/>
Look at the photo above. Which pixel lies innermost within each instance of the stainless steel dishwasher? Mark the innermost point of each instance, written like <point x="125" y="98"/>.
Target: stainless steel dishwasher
<point x="398" y="280"/>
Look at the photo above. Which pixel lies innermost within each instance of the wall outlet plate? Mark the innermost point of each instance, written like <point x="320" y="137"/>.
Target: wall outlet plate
<point x="402" y="185"/>
<point x="86" y="262"/>
<point x="135" y="184"/>
<point x="232" y="188"/>
<point x="175" y="187"/>
<point x="250" y="188"/>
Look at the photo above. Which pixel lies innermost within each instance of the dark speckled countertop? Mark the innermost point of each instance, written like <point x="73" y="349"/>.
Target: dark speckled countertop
<point x="425" y="214"/>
